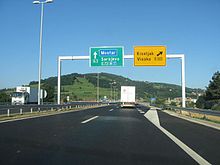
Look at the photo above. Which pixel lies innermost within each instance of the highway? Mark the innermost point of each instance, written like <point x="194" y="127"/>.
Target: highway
<point x="108" y="135"/>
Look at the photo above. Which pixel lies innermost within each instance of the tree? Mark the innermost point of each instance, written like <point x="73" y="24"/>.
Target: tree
<point x="213" y="90"/>
<point x="173" y="103"/>
<point x="160" y="101"/>
<point x="212" y="93"/>
<point x="4" y="97"/>
<point x="200" y="103"/>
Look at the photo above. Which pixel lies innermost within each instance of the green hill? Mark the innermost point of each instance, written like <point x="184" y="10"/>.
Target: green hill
<point x="83" y="87"/>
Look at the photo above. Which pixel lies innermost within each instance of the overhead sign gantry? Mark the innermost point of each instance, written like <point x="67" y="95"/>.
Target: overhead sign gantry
<point x="156" y="53"/>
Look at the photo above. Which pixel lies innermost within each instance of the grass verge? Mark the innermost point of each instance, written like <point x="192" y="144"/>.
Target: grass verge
<point x="202" y="117"/>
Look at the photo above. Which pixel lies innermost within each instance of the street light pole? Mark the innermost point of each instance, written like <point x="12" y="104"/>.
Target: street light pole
<point x="111" y="91"/>
<point x="114" y="83"/>
<point x="114" y="92"/>
<point x="97" y="87"/>
<point x="40" y="55"/>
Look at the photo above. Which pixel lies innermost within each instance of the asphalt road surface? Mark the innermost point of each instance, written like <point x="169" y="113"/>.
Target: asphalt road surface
<point x="106" y="135"/>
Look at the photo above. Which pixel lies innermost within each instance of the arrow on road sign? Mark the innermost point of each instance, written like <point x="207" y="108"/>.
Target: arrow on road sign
<point x="95" y="54"/>
<point x="160" y="53"/>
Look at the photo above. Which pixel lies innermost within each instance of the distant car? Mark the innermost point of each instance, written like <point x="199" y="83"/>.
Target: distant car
<point x="104" y="100"/>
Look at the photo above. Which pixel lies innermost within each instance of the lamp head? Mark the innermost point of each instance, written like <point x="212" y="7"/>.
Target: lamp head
<point x="36" y="2"/>
<point x="49" y="1"/>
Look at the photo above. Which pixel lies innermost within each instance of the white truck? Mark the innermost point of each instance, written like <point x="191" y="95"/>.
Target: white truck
<point x="24" y="95"/>
<point x="127" y="96"/>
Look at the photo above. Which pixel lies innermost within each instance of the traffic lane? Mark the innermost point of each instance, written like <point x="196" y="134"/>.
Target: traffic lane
<point x="85" y="154"/>
<point x="204" y="140"/>
<point x="115" y="146"/>
<point x="123" y="136"/>
<point x="19" y="133"/>
<point x="115" y="137"/>
<point x="58" y="121"/>
<point x="20" y="138"/>
<point x="73" y="116"/>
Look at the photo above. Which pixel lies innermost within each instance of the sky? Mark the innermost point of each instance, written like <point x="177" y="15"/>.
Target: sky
<point x="71" y="27"/>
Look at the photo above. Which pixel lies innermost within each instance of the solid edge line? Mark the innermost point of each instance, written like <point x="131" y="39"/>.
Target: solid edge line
<point x="183" y="146"/>
<point x="88" y="120"/>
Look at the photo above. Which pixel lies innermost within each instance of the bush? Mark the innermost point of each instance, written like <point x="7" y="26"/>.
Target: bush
<point x="173" y="103"/>
<point x="200" y="103"/>
<point x="211" y="103"/>
<point x="4" y="97"/>
<point x="216" y="107"/>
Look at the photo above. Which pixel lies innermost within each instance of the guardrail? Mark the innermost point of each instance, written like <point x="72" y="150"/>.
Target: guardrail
<point x="198" y="113"/>
<point x="9" y="110"/>
<point x="5" y="103"/>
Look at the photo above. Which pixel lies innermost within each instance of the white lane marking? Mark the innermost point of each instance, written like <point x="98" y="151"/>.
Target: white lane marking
<point x="88" y="120"/>
<point x="140" y="111"/>
<point x="184" y="147"/>
<point x="153" y="118"/>
<point x="111" y="110"/>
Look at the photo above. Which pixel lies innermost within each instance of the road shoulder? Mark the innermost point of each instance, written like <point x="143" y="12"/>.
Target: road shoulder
<point x="194" y="120"/>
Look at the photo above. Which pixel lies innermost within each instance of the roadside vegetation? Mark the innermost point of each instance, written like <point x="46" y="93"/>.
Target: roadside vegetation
<point x="211" y="98"/>
<point x="5" y="97"/>
<point x="83" y="87"/>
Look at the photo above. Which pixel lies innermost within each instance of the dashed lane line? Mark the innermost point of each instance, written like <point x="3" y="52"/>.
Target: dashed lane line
<point x="140" y="111"/>
<point x="90" y="119"/>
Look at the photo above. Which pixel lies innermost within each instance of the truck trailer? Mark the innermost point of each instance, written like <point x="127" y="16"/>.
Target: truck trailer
<point x="127" y="96"/>
<point x="24" y="95"/>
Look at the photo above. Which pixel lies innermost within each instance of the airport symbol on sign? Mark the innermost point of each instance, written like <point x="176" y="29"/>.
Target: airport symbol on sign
<point x="149" y="56"/>
<point x="106" y="56"/>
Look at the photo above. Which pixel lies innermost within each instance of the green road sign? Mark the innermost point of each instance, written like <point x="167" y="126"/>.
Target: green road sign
<point x="106" y="56"/>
